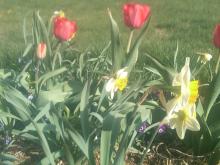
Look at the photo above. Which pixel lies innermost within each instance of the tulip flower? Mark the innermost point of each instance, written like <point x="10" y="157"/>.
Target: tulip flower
<point x="216" y="41"/>
<point x="216" y="36"/>
<point x="135" y="14"/>
<point x="41" y="50"/>
<point x="181" y="111"/>
<point x="64" y="29"/>
<point x="118" y="83"/>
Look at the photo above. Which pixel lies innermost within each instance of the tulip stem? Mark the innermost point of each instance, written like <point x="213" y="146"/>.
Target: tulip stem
<point x="217" y="64"/>
<point x="129" y="41"/>
<point x="37" y="74"/>
<point x="149" y="144"/>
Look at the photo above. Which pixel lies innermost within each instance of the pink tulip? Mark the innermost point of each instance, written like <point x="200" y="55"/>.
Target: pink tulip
<point x="41" y="50"/>
<point x="216" y="36"/>
<point x="135" y="15"/>
<point x="64" y="29"/>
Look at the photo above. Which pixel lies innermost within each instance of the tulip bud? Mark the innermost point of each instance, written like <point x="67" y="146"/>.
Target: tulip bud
<point x="41" y="50"/>
<point x="135" y="15"/>
<point x="216" y="36"/>
<point x="64" y="29"/>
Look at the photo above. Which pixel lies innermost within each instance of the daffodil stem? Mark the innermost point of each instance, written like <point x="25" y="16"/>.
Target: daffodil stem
<point x="149" y="144"/>
<point x="129" y="41"/>
<point x="217" y="64"/>
<point x="198" y="70"/>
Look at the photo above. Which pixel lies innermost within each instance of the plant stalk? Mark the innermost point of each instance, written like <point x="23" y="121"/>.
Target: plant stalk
<point x="129" y="41"/>
<point x="37" y="75"/>
<point x="199" y="69"/>
<point x="149" y="144"/>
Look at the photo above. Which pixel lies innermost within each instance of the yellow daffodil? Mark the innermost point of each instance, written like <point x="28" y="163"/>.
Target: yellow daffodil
<point x="117" y="83"/>
<point x="181" y="111"/>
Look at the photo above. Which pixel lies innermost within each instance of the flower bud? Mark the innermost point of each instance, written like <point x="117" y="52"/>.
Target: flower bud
<point x="41" y="50"/>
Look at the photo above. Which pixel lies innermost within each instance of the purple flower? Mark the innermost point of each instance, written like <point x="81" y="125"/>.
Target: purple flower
<point x="142" y="127"/>
<point x="162" y="129"/>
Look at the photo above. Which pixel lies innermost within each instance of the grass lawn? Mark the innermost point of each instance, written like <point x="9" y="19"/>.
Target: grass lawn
<point x="191" y="23"/>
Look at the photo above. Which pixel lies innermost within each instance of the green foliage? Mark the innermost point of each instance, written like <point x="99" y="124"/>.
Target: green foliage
<point x="62" y="104"/>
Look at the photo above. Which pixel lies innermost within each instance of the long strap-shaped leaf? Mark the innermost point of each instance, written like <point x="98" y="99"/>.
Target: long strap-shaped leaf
<point x="214" y="91"/>
<point x="49" y="75"/>
<point x="21" y="105"/>
<point x="84" y="111"/>
<point x="117" y="54"/>
<point x="166" y="72"/>
<point x="133" y="54"/>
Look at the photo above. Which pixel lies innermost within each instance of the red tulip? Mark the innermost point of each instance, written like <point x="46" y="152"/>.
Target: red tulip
<point x="64" y="29"/>
<point x="135" y="14"/>
<point x="216" y="36"/>
<point x="41" y="50"/>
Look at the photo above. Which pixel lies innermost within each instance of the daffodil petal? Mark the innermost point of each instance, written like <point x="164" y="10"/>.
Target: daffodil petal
<point x="180" y="129"/>
<point x="112" y="94"/>
<point x="122" y="73"/>
<point x="110" y="85"/>
<point x="192" y="124"/>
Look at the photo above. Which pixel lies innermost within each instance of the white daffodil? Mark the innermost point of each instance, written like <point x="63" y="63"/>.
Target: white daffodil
<point x="205" y="57"/>
<point x="183" y="119"/>
<point x="181" y="114"/>
<point x="117" y="83"/>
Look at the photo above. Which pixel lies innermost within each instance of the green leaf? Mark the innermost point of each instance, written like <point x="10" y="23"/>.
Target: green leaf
<point x="117" y="54"/>
<point x="56" y="155"/>
<point x="4" y="74"/>
<point x="44" y="143"/>
<point x="213" y="93"/>
<point x="145" y="113"/>
<point x="97" y="116"/>
<point x="45" y="36"/>
<point x="84" y="110"/>
<point x="49" y="75"/>
<point x="166" y="72"/>
<point x="27" y="49"/>
<point x="53" y="95"/>
<point x="105" y="148"/>
<point x="20" y="103"/>
<point x="78" y="139"/>
<point x="215" y="157"/>
<point x="175" y="57"/>
<point x="8" y="115"/>
<point x="81" y="64"/>
<point x="133" y="54"/>
<point x="199" y="108"/>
